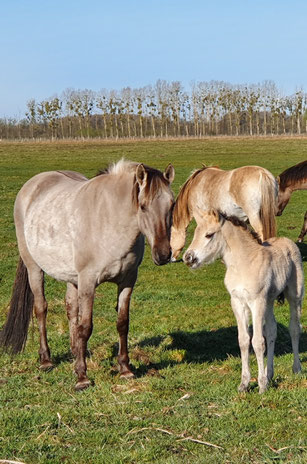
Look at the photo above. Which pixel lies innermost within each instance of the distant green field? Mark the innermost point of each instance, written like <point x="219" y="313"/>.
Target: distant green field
<point x="183" y="339"/>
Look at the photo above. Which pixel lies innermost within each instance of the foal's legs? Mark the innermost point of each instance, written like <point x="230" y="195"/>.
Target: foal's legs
<point x="258" y="310"/>
<point x="123" y="303"/>
<point x="241" y="313"/>
<point x="295" y="303"/>
<point x="36" y="281"/>
<point x="270" y="330"/>
<point x="304" y="229"/>
<point x="71" y="302"/>
<point x="86" y="291"/>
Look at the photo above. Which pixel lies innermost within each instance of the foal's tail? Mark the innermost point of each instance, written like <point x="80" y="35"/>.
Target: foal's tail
<point x="269" y="192"/>
<point x="14" y="333"/>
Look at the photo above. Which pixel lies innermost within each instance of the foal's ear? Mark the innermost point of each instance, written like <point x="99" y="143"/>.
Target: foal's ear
<point x="141" y="175"/>
<point x="214" y="212"/>
<point x="169" y="173"/>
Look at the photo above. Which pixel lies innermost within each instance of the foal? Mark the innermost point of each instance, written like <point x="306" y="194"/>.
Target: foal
<point x="256" y="274"/>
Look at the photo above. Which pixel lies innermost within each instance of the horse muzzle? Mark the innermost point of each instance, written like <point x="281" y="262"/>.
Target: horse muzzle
<point x="190" y="259"/>
<point x="161" y="257"/>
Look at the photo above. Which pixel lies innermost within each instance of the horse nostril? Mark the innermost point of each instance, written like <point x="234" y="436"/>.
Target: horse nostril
<point x="189" y="258"/>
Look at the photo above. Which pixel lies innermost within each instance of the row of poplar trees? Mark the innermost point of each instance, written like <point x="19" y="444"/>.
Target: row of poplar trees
<point x="165" y="109"/>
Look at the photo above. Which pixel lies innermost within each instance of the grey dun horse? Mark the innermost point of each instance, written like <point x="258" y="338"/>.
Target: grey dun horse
<point x="256" y="275"/>
<point x="86" y="232"/>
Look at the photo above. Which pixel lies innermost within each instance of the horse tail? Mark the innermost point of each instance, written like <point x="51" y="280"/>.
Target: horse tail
<point x="269" y="192"/>
<point x="14" y="333"/>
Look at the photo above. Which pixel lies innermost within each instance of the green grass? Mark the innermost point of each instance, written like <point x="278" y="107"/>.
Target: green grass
<point x="183" y="339"/>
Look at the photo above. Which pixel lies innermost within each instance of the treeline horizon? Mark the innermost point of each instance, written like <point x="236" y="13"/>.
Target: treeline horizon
<point x="164" y="110"/>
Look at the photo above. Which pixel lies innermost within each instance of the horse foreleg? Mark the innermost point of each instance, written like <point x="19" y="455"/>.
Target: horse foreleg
<point x="36" y="281"/>
<point x="123" y="304"/>
<point x="304" y="229"/>
<point x="71" y="302"/>
<point x="241" y="314"/>
<point x="270" y="335"/>
<point x="86" y="290"/>
<point x="258" y="343"/>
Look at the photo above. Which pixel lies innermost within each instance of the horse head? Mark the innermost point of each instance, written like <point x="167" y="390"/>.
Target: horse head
<point x="155" y="203"/>
<point x="207" y="242"/>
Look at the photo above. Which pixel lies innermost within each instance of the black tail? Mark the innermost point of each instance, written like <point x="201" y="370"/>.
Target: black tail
<point x="13" y="336"/>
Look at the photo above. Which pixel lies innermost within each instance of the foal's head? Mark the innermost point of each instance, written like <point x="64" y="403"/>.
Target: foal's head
<point x="155" y="202"/>
<point x="207" y="242"/>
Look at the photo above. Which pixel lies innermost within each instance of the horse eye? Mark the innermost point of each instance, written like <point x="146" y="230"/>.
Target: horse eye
<point x="209" y="235"/>
<point x="143" y="208"/>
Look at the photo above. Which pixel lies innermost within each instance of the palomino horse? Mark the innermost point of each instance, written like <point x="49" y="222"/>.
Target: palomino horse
<point x="249" y="192"/>
<point x="86" y="232"/>
<point x="293" y="178"/>
<point x="256" y="275"/>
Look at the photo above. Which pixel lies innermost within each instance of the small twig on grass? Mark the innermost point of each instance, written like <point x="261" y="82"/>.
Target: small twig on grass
<point x="39" y="436"/>
<point x="177" y="437"/>
<point x="206" y="443"/>
<point x="11" y="462"/>
<point x="278" y="451"/>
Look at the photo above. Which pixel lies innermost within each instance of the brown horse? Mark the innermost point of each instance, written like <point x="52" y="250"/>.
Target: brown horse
<point x="86" y="232"/>
<point x="293" y="178"/>
<point x="248" y="192"/>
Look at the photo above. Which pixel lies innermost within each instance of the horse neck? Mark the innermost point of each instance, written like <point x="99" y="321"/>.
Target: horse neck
<point x="119" y="200"/>
<point x="239" y="247"/>
<point x="299" y="185"/>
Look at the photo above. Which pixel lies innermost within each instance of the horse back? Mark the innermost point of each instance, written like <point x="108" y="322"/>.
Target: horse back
<point x="39" y="187"/>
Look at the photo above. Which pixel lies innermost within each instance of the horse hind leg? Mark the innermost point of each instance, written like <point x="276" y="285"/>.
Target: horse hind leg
<point x="72" y="309"/>
<point x="256" y="223"/>
<point x="304" y="229"/>
<point x="36" y="281"/>
<point x="295" y="304"/>
<point x="270" y="330"/>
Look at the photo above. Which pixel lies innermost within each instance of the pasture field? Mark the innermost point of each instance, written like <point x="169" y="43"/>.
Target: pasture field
<point x="183" y="405"/>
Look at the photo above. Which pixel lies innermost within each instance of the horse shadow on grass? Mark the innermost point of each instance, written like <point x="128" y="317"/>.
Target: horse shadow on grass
<point x="203" y="347"/>
<point x="303" y="249"/>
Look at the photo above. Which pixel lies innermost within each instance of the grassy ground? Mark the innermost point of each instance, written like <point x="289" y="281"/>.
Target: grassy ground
<point x="183" y="340"/>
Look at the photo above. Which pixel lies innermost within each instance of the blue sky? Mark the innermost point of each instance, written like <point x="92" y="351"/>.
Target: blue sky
<point x="48" y="46"/>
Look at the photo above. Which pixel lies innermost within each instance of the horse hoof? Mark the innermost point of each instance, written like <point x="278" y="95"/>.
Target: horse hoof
<point x="46" y="366"/>
<point x="242" y="388"/>
<point x="127" y="375"/>
<point x="82" y="385"/>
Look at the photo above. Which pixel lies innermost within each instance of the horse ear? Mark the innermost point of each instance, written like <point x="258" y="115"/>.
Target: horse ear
<point x="278" y="180"/>
<point x="169" y="173"/>
<point x="141" y="175"/>
<point x="214" y="212"/>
